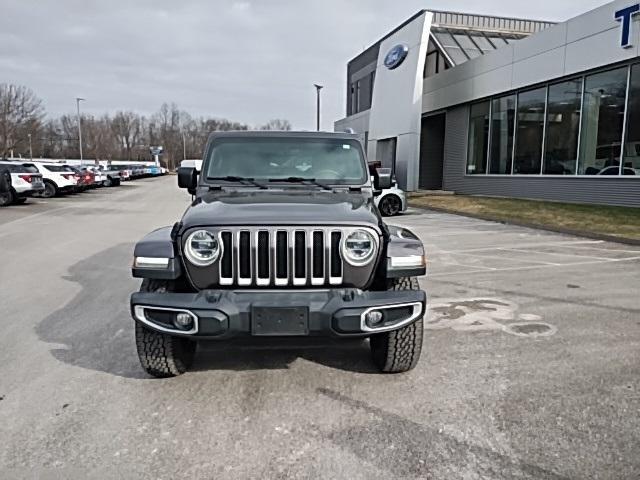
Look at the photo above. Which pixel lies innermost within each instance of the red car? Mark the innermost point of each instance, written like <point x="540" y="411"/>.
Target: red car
<point x="86" y="178"/>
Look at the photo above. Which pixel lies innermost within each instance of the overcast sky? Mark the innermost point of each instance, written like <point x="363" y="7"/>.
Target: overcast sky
<point x="246" y="60"/>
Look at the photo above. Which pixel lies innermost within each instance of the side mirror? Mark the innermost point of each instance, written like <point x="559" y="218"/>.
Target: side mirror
<point x="188" y="178"/>
<point x="382" y="179"/>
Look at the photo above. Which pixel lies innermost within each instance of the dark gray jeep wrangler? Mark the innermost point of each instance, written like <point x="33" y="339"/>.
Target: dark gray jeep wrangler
<point x="282" y="239"/>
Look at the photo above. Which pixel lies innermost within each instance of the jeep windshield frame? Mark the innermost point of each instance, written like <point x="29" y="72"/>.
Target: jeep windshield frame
<point x="276" y="159"/>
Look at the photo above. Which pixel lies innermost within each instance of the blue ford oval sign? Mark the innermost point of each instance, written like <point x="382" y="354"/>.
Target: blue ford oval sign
<point x="396" y="56"/>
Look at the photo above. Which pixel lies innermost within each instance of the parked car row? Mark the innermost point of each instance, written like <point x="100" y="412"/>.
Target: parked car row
<point x="46" y="179"/>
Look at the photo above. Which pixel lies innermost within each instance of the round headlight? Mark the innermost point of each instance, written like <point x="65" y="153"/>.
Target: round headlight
<point x="202" y="248"/>
<point x="359" y="248"/>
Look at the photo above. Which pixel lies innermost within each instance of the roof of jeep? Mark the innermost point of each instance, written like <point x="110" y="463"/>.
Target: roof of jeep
<point x="281" y="134"/>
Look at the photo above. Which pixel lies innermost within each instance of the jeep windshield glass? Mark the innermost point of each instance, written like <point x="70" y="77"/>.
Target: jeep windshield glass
<point x="326" y="160"/>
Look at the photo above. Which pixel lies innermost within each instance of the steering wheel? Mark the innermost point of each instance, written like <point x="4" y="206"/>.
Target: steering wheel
<point x="327" y="174"/>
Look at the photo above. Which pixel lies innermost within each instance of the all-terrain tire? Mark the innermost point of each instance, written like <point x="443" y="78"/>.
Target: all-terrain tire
<point x="398" y="351"/>
<point x="162" y="355"/>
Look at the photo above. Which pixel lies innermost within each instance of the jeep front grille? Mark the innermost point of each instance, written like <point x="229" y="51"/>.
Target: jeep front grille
<point x="281" y="256"/>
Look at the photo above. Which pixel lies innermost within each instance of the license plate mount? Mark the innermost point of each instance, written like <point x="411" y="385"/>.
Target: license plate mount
<point x="279" y="321"/>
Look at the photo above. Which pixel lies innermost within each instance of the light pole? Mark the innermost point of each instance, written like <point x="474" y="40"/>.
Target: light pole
<point x="318" y="88"/>
<point x="30" y="149"/>
<point x="184" y="147"/>
<point x="78" y="100"/>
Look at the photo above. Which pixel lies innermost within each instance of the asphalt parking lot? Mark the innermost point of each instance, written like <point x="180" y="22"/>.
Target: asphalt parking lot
<point x="530" y="368"/>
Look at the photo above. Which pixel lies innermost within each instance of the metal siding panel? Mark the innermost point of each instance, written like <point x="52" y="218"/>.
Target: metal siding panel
<point x="606" y="191"/>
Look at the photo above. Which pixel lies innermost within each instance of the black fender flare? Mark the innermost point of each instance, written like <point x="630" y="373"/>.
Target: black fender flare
<point x="157" y="244"/>
<point x="404" y="244"/>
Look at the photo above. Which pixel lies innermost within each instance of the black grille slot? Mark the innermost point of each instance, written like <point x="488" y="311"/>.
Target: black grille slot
<point x="318" y="254"/>
<point x="336" y="261"/>
<point x="245" y="254"/>
<point x="263" y="255"/>
<point x="226" y="264"/>
<point x="300" y="255"/>
<point x="282" y="252"/>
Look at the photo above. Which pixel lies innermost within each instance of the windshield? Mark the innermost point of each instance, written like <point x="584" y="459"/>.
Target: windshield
<point x="334" y="161"/>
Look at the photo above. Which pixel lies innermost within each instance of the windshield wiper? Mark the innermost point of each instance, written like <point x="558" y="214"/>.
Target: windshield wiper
<point x="312" y="181"/>
<point x="234" y="178"/>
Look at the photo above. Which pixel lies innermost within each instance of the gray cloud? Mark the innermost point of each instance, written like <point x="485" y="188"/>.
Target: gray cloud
<point x="247" y="60"/>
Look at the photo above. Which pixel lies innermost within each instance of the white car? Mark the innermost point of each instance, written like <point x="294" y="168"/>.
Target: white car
<point x="197" y="164"/>
<point x="391" y="201"/>
<point x="58" y="178"/>
<point x="25" y="182"/>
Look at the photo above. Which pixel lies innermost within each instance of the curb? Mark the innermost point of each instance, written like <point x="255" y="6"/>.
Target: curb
<point x="535" y="226"/>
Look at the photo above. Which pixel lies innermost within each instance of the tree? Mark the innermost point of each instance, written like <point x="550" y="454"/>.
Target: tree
<point x="277" y="124"/>
<point x="21" y="114"/>
<point x="126" y="127"/>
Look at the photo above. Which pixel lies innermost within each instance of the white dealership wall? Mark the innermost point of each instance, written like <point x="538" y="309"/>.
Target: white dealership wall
<point x="396" y="105"/>
<point x="586" y="42"/>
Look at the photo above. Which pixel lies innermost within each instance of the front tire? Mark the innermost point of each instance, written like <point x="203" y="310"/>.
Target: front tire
<point x="398" y="351"/>
<point x="162" y="355"/>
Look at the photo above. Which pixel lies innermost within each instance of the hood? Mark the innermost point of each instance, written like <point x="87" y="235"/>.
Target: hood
<point x="282" y="207"/>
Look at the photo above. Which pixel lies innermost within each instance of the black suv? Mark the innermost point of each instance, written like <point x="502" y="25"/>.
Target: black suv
<point x="282" y="239"/>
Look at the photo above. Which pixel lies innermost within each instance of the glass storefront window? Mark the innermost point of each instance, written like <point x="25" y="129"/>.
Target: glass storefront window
<point x="563" y="127"/>
<point x="602" y="121"/>
<point x="478" y="138"/>
<point x="502" y="123"/>
<point x="529" y="132"/>
<point x="631" y="163"/>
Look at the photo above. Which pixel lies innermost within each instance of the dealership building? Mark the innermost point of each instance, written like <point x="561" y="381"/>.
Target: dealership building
<point x="508" y="107"/>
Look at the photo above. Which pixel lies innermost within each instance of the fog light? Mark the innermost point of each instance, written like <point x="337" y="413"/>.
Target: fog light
<point x="374" y="318"/>
<point x="183" y="321"/>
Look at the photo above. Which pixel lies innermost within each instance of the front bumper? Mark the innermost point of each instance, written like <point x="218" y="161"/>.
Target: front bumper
<point x="220" y="314"/>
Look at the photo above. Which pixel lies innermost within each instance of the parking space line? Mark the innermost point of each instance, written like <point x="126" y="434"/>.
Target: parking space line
<point x="439" y="262"/>
<point x="553" y="253"/>
<point x="607" y="249"/>
<point x="534" y="245"/>
<point x="533" y="267"/>
<point x="502" y="258"/>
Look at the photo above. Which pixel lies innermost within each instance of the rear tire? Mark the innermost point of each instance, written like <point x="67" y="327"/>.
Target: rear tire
<point x="162" y="355"/>
<point x="398" y="351"/>
<point x="390" y="205"/>
<point x="50" y="190"/>
<point x="6" y="198"/>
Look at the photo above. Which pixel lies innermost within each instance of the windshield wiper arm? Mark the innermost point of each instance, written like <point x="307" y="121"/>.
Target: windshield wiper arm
<point x="234" y="178"/>
<point x="301" y="180"/>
